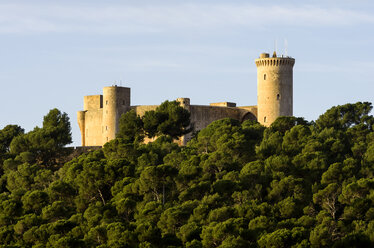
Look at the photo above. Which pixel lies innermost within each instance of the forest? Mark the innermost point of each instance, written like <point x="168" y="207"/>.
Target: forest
<point x="297" y="183"/>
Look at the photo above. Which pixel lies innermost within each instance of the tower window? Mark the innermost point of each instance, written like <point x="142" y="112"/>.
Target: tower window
<point x="264" y="76"/>
<point x="106" y="127"/>
<point x="264" y="119"/>
<point x="278" y="97"/>
<point x="106" y="102"/>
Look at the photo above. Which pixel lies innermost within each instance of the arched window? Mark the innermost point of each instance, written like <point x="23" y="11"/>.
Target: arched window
<point x="264" y="76"/>
<point x="278" y="97"/>
<point x="264" y="119"/>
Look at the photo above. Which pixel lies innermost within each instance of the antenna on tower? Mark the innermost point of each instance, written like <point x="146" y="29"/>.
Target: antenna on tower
<point x="285" y="47"/>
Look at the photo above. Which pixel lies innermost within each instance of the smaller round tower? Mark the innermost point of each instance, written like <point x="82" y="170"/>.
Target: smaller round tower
<point x="274" y="87"/>
<point x="116" y="101"/>
<point x="82" y="125"/>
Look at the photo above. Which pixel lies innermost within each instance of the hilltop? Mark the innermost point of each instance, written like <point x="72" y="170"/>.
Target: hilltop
<point x="293" y="184"/>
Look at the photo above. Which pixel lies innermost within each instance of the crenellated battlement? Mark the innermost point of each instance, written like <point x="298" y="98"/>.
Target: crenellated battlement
<point x="279" y="61"/>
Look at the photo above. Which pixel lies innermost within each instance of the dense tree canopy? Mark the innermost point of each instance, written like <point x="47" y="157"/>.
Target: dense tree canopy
<point x="294" y="184"/>
<point x="168" y="119"/>
<point x="45" y="144"/>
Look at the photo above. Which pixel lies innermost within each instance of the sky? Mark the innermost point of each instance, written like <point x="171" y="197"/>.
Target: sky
<point x="53" y="53"/>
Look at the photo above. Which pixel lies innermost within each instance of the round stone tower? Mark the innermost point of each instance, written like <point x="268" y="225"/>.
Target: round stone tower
<point x="116" y="101"/>
<point x="274" y="87"/>
<point x="82" y="126"/>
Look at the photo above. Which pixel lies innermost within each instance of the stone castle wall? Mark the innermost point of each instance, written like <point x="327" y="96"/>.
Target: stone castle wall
<point x="140" y="110"/>
<point x="94" y="130"/>
<point x="99" y="125"/>
<point x="90" y="121"/>
<point x="202" y="116"/>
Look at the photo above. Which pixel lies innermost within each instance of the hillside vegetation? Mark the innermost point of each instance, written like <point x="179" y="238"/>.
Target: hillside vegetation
<point x="294" y="184"/>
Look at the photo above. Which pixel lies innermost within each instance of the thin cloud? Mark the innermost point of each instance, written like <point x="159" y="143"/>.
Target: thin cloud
<point x="338" y="67"/>
<point x="68" y="18"/>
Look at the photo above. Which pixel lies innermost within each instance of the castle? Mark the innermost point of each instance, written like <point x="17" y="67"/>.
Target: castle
<point x="98" y="122"/>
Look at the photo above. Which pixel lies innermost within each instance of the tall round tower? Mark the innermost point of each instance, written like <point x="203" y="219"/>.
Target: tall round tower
<point x="274" y="87"/>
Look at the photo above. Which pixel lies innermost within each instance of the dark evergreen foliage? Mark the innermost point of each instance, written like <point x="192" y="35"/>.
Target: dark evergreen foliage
<point x="294" y="184"/>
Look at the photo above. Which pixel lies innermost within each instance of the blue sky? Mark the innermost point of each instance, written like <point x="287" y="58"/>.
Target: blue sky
<point x="53" y="53"/>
